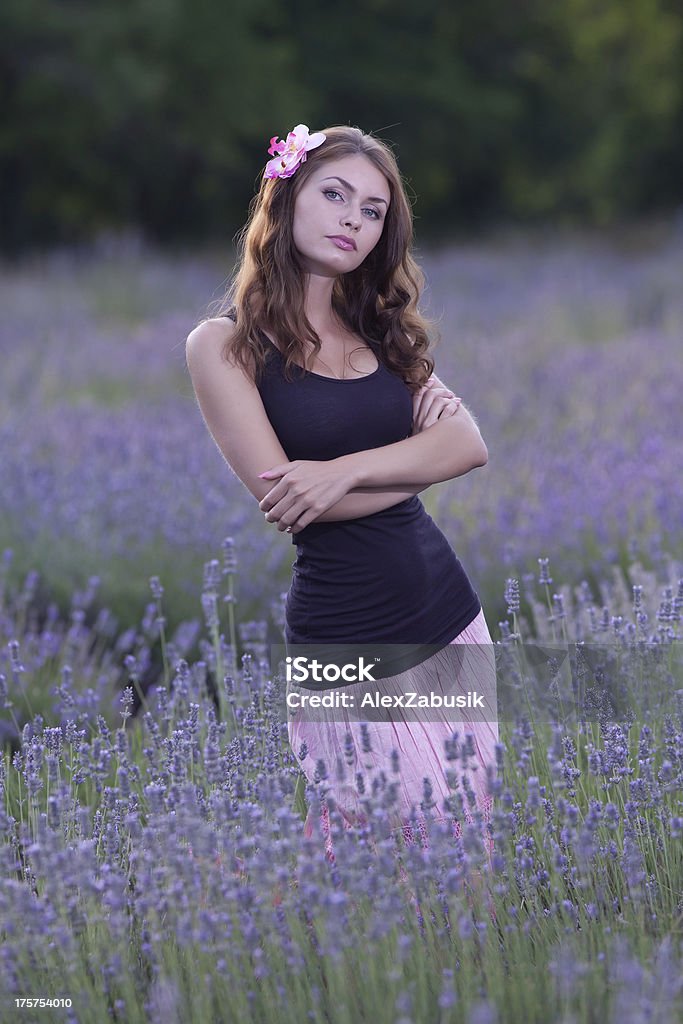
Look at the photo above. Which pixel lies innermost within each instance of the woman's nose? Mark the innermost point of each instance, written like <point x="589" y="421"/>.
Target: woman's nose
<point x="351" y="220"/>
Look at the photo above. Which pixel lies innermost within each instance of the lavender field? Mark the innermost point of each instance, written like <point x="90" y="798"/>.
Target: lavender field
<point x="152" y="861"/>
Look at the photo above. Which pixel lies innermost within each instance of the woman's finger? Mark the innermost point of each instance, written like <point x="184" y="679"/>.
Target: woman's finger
<point x="280" y="509"/>
<point x="434" y="401"/>
<point x="421" y="398"/>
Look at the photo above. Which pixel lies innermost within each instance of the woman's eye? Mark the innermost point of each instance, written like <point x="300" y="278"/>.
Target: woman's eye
<point x="333" y="192"/>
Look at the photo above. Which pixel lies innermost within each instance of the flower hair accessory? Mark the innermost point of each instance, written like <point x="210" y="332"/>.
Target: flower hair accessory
<point x="291" y="152"/>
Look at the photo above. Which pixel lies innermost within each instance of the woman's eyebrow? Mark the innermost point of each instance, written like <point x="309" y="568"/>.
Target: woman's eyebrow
<point x="346" y="184"/>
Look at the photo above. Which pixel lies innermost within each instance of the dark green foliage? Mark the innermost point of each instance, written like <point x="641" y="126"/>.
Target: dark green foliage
<point x="158" y="112"/>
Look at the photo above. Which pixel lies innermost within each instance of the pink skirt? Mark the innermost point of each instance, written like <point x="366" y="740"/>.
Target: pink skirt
<point x="420" y="746"/>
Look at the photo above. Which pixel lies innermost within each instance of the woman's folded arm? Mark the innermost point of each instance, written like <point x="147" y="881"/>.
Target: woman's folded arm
<point x="445" y="450"/>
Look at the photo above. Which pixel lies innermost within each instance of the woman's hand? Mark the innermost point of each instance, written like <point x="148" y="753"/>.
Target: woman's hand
<point x="304" y="491"/>
<point x="432" y="402"/>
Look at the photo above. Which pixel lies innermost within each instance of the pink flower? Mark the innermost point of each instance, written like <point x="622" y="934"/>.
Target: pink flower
<point x="288" y="154"/>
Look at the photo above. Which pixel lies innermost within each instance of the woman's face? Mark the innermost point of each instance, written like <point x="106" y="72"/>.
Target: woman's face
<point x="344" y="198"/>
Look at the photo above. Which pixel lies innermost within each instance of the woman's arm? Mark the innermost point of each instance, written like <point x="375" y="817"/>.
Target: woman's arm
<point x="305" y="490"/>
<point x="384" y="473"/>
<point x="364" y="501"/>
<point x="445" y="450"/>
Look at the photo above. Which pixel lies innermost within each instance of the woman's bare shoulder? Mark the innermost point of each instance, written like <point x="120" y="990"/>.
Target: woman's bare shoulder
<point x="210" y="337"/>
<point x="213" y="327"/>
<point x="209" y="350"/>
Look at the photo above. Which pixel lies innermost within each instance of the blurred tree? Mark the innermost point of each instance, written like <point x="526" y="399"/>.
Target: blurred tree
<point x="433" y="77"/>
<point x="145" y="111"/>
<point x="158" y="112"/>
<point x="71" y="75"/>
<point x="600" y="84"/>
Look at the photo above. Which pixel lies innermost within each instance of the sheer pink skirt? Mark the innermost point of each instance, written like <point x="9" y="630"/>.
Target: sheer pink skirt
<point x="420" y="746"/>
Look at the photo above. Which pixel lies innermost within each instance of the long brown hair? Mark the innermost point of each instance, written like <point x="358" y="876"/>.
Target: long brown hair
<point x="377" y="301"/>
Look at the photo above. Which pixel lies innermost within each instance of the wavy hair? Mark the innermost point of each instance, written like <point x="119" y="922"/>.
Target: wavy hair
<point x="377" y="301"/>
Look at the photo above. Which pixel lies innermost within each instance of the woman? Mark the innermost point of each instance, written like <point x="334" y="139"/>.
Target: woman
<point x="317" y="386"/>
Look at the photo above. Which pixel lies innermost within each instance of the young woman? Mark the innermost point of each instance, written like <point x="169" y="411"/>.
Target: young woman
<point x="316" y="384"/>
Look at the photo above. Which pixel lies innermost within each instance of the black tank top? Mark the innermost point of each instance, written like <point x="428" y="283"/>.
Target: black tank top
<point x="389" y="577"/>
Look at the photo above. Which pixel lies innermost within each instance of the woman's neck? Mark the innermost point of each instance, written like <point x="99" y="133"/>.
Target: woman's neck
<point x="318" y="306"/>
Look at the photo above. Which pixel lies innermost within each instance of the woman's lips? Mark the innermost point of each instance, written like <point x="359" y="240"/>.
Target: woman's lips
<point x="341" y="242"/>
